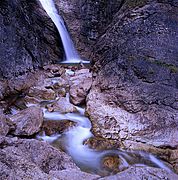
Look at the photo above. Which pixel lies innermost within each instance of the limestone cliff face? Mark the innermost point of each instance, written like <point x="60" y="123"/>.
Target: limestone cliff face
<point x="136" y="82"/>
<point x="28" y="38"/>
<point x="87" y="20"/>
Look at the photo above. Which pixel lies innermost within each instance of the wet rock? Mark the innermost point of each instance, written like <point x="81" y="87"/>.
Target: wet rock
<point x="54" y="70"/>
<point x="55" y="82"/>
<point x="73" y="174"/>
<point x="54" y="127"/>
<point x="31" y="100"/>
<point x="99" y="143"/>
<point x="138" y="173"/>
<point x="32" y="159"/>
<point x="80" y="85"/>
<point x="112" y="164"/>
<point x="166" y="154"/>
<point x="42" y="92"/>
<point x="28" y="121"/>
<point x="62" y="105"/>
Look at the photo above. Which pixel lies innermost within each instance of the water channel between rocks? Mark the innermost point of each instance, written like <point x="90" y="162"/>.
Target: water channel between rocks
<point x="72" y="141"/>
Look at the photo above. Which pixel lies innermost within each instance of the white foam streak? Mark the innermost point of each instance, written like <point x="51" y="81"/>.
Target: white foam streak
<point x="159" y="163"/>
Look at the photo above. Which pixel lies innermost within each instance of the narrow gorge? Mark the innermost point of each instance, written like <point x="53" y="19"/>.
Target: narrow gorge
<point x="105" y="110"/>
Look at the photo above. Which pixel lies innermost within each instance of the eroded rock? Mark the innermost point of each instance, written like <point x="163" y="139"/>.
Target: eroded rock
<point x="134" y="94"/>
<point x="73" y="174"/>
<point x="55" y="127"/>
<point x="31" y="159"/>
<point x="80" y="85"/>
<point x="62" y="105"/>
<point x="28" y="121"/>
<point x="4" y="127"/>
<point x="99" y="143"/>
<point x="42" y="92"/>
<point x="138" y="173"/>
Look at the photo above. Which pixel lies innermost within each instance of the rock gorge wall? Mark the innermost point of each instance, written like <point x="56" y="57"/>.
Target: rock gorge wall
<point x="29" y="39"/>
<point x="133" y="46"/>
<point x="87" y="20"/>
<point x="135" y="91"/>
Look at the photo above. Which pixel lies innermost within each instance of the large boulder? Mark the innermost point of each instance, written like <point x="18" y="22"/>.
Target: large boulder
<point x="31" y="159"/>
<point x="80" y="86"/>
<point x="28" y="121"/>
<point x="138" y="173"/>
<point x="134" y="95"/>
<point x="69" y="174"/>
<point x="62" y="105"/>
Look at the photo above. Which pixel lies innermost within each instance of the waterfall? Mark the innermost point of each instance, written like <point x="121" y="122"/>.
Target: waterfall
<point x="70" y="51"/>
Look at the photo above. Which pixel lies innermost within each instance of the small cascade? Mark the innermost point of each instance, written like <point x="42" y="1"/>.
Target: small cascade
<point x="90" y="160"/>
<point x="70" y="51"/>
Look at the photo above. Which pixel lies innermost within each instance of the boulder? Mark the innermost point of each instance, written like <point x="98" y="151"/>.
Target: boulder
<point x="69" y="174"/>
<point x="27" y="121"/>
<point x="42" y="92"/>
<point x="54" y="127"/>
<point x="62" y="105"/>
<point x="138" y="173"/>
<point x="31" y="159"/>
<point x="80" y="85"/>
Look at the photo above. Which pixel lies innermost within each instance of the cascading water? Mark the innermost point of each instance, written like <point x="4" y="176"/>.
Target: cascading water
<point x="90" y="160"/>
<point x="72" y="140"/>
<point x="70" y="51"/>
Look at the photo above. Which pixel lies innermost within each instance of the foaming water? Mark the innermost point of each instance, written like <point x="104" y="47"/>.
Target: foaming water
<point x="88" y="159"/>
<point x="46" y="138"/>
<point x="70" y="51"/>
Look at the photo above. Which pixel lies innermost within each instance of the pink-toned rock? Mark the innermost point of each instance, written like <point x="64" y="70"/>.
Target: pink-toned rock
<point x="138" y="173"/>
<point x="28" y="121"/>
<point x="80" y="85"/>
<point x="4" y="128"/>
<point x="69" y="174"/>
<point x="42" y="92"/>
<point x="62" y="106"/>
<point x="31" y="159"/>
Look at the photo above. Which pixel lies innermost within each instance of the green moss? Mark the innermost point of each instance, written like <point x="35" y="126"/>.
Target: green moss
<point x="172" y="68"/>
<point x="135" y="3"/>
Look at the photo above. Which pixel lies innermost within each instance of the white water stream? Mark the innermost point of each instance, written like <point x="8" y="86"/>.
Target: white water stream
<point x="87" y="159"/>
<point x="70" y="51"/>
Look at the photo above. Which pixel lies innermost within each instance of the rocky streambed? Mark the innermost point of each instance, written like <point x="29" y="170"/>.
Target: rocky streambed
<point x="45" y="133"/>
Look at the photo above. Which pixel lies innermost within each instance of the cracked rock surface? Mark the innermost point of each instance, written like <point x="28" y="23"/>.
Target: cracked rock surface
<point x="134" y="95"/>
<point x="29" y="39"/>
